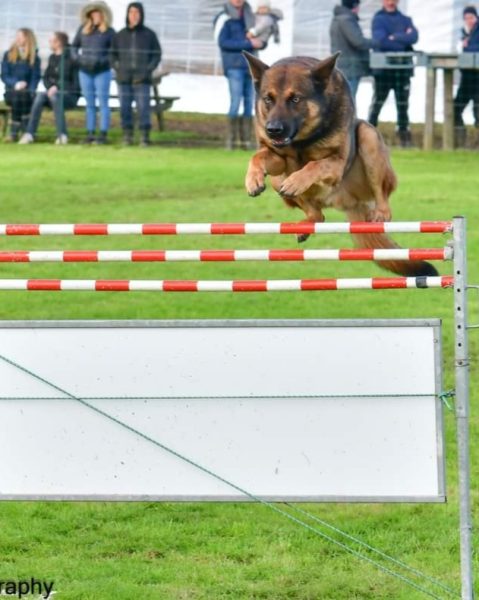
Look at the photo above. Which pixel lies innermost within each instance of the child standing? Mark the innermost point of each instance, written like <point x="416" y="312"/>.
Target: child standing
<point x="266" y="23"/>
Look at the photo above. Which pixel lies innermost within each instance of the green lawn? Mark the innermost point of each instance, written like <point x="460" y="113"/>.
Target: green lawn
<point x="213" y="551"/>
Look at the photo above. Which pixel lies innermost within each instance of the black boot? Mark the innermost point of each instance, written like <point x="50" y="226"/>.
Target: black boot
<point x="145" y="138"/>
<point x="405" y="139"/>
<point x="102" y="138"/>
<point x="14" y="131"/>
<point x="128" y="137"/>
<point x="233" y="133"/>
<point x="246" y="130"/>
<point x="90" y="138"/>
<point x="460" y="136"/>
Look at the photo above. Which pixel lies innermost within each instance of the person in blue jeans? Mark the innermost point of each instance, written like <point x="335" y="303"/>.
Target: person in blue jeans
<point x="61" y="90"/>
<point x="136" y="52"/>
<point x="231" y="28"/>
<point x="91" y="51"/>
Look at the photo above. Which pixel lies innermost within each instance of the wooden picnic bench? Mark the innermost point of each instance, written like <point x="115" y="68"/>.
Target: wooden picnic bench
<point x="159" y="104"/>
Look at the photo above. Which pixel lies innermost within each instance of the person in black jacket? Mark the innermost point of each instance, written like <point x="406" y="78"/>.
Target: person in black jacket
<point x="469" y="85"/>
<point x="20" y="74"/>
<point x="62" y="90"/>
<point x="91" y="51"/>
<point x="392" y="31"/>
<point x="135" y="54"/>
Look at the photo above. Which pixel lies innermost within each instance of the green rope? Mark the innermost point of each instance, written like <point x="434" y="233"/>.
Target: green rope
<point x="265" y="503"/>
<point x="444" y="396"/>
<point x="371" y="548"/>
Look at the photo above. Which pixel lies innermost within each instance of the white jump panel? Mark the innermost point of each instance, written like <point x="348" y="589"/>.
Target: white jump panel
<point x="251" y="401"/>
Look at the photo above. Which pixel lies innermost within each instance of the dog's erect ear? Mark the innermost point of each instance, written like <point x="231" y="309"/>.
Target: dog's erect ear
<point x="323" y="71"/>
<point x="256" y="67"/>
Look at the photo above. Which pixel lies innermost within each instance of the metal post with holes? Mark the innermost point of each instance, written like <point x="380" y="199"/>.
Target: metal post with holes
<point x="461" y="355"/>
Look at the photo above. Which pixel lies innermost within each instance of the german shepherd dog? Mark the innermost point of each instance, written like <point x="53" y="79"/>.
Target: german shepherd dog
<point x="317" y="153"/>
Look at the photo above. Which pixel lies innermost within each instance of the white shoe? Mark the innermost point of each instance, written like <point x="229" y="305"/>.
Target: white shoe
<point x="62" y="140"/>
<point x="27" y="138"/>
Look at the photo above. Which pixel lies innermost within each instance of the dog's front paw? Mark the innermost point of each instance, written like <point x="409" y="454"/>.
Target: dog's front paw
<point x="295" y="185"/>
<point x="255" y="184"/>
<point x="380" y="215"/>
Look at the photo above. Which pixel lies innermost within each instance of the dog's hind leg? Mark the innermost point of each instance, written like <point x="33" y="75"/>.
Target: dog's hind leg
<point x="378" y="170"/>
<point x="314" y="214"/>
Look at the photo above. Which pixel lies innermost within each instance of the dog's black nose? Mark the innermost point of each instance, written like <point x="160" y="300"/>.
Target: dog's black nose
<point x="274" y="128"/>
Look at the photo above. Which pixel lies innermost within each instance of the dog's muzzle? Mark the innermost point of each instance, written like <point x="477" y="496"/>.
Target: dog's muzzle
<point x="278" y="133"/>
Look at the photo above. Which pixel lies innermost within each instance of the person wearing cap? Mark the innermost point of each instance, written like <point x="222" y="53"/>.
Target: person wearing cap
<point x="266" y="23"/>
<point x="91" y="49"/>
<point x="231" y="26"/>
<point x="347" y="37"/>
<point x="136" y="52"/>
<point x="469" y="85"/>
<point x="392" y="31"/>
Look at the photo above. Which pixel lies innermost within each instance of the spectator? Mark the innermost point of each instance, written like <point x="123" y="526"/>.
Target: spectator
<point x="347" y="38"/>
<point x="136" y="53"/>
<point x="469" y="85"/>
<point x="393" y="32"/>
<point x="62" y="91"/>
<point x="231" y="26"/>
<point x="20" y="74"/>
<point x="91" y="48"/>
<point x="266" y="23"/>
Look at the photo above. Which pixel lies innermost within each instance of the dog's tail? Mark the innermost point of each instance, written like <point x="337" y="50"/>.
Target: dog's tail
<point x="407" y="268"/>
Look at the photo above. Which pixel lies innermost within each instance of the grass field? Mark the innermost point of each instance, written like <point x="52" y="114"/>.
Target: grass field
<point x="212" y="551"/>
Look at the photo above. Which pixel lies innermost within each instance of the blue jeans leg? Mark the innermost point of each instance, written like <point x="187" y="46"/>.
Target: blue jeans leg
<point x="41" y="100"/>
<point x="235" y="83"/>
<point x="142" y="99"/>
<point x="102" y="87"/>
<point x="125" y="92"/>
<point x="354" y="85"/>
<point x="248" y="95"/>
<point x="87" y="85"/>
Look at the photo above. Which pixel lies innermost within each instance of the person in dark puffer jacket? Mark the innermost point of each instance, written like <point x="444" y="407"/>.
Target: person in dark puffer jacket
<point x="393" y="32"/>
<point x="231" y="27"/>
<point x="136" y="52"/>
<point x="347" y="38"/>
<point x="62" y="90"/>
<point x="21" y="75"/>
<point x="469" y="86"/>
<point x="91" y="51"/>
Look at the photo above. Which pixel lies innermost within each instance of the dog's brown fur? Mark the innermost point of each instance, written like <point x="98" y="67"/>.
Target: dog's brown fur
<point x="316" y="152"/>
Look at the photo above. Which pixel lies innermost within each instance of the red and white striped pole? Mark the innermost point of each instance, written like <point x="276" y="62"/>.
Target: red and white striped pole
<point x="68" y="256"/>
<point x="223" y="228"/>
<point x="255" y="285"/>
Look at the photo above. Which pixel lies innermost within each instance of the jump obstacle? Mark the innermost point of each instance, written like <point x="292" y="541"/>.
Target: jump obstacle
<point x="159" y="229"/>
<point x="458" y="281"/>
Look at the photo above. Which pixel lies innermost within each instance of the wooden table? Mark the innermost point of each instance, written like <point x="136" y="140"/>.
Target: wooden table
<point x="433" y="62"/>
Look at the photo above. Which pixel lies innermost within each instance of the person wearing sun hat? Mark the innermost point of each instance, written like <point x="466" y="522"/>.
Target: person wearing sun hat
<point x="347" y="37"/>
<point x="91" y="51"/>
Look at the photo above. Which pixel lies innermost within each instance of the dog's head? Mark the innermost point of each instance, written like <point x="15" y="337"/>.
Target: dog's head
<point x="293" y="97"/>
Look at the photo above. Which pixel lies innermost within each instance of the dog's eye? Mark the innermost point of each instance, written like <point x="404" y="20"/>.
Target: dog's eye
<point x="268" y="100"/>
<point x="295" y="99"/>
